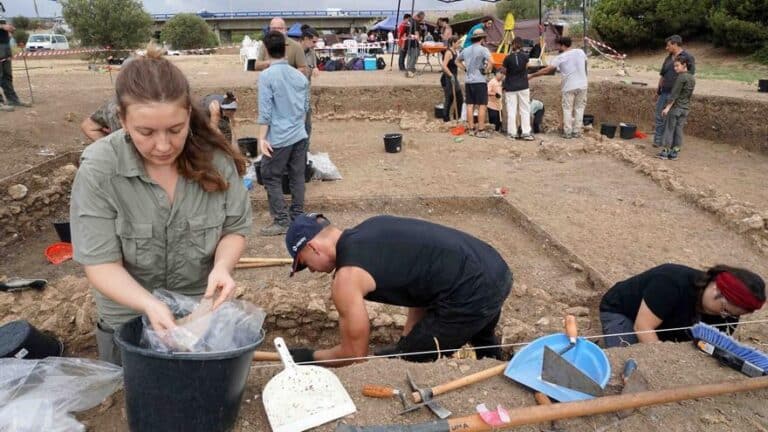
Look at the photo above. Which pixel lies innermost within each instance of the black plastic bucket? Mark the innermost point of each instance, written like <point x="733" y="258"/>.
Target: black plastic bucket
<point x="627" y="131"/>
<point x="63" y="231"/>
<point x="439" y="111"/>
<point x="589" y="119"/>
<point x="762" y="86"/>
<point x="393" y="142"/>
<point x="248" y="145"/>
<point x="181" y="391"/>
<point x="22" y="340"/>
<point x="608" y="129"/>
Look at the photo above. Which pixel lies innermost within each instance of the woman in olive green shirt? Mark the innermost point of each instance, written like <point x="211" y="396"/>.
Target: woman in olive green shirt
<point x="159" y="204"/>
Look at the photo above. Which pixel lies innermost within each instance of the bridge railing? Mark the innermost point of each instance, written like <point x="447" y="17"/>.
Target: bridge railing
<point x="370" y="13"/>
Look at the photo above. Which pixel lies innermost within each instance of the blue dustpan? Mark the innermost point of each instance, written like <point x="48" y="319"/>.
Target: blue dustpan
<point x="526" y="365"/>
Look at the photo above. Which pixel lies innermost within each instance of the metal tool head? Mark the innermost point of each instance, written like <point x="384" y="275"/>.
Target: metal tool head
<point x="559" y="371"/>
<point x="426" y="397"/>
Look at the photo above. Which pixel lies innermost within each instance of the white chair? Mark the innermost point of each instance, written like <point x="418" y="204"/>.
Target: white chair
<point x="351" y="48"/>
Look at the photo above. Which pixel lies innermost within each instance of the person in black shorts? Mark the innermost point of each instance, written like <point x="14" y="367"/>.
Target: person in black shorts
<point x="453" y="284"/>
<point x="673" y="296"/>
<point x="476" y="62"/>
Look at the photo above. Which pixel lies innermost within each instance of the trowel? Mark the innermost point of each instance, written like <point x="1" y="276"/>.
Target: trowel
<point x="557" y="370"/>
<point x="17" y="284"/>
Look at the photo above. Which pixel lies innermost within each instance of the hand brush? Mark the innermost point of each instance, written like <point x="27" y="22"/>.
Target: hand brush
<point x="729" y="352"/>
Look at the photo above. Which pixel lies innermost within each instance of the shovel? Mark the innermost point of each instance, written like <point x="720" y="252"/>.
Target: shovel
<point x="303" y="397"/>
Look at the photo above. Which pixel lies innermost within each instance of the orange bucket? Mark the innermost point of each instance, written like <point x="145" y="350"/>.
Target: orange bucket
<point x="57" y="253"/>
<point x="497" y="59"/>
<point x="458" y="130"/>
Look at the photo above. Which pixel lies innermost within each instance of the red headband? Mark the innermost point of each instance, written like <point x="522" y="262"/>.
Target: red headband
<point x="734" y="290"/>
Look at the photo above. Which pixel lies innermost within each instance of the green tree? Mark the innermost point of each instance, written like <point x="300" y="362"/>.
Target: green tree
<point x="21" y="22"/>
<point x="466" y="15"/>
<point x="646" y="23"/>
<point x="21" y="36"/>
<point x="742" y="25"/>
<point x="186" y="31"/>
<point x="521" y="9"/>
<point x="114" y="23"/>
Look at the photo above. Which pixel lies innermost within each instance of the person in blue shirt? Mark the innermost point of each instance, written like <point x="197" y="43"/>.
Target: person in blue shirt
<point x="486" y="24"/>
<point x="283" y="106"/>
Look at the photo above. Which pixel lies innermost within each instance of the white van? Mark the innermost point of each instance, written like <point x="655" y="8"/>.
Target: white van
<point x="38" y="42"/>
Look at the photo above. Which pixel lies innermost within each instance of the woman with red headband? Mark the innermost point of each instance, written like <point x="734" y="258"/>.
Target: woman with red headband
<point x="647" y="307"/>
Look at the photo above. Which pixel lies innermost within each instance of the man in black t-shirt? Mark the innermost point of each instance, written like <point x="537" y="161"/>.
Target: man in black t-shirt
<point x="453" y="284"/>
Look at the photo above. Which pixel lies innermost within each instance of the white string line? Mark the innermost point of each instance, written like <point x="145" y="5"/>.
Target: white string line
<point x="265" y="365"/>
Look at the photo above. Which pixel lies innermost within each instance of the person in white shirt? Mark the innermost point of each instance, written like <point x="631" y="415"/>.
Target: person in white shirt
<point x="572" y="64"/>
<point x="390" y="41"/>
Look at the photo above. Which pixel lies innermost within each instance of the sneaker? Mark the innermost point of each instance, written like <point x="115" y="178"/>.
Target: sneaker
<point x="576" y="135"/>
<point x="663" y="154"/>
<point x="410" y="74"/>
<point x="20" y="104"/>
<point x="528" y="138"/>
<point x="512" y="137"/>
<point x="482" y="134"/>
<point x="656" y="144"/>
<point x="275" y="229"/>
<point x="471" y="132"/>
<point x="566" y="136"/>
<point x="6" y="108"/>
<point x="673" y="154"/>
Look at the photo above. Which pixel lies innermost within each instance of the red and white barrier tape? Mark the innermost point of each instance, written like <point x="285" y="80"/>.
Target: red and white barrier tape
<point x="615" y="55"/>
<point x="54" y="53"/>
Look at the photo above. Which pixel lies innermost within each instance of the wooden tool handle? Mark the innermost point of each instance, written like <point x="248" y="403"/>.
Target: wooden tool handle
<point x="571" y="329"/>
<point x="606" y="404"/>
<point x="266" y="356"/>
<point x="266" y="260"/>
<point x="381" y="392"/>
<point x="542" y="399"/>
<point x="256" y="265"/>
<point x="463" y="381"/>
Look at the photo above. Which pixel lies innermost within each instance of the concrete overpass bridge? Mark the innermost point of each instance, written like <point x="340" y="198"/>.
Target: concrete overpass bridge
<point x="224" y="23"/>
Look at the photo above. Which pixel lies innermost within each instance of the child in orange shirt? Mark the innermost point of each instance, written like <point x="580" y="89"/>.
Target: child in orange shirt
<point x="494" y="100"/>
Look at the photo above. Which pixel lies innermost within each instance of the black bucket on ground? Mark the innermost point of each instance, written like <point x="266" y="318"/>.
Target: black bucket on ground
<point x="393" y="142"/>
<point x="22" y="340"/>
<point x="589" y="119"/>
<point x="608" y="129"/>
<point x="248" y="145"/>
<point x="181" y="391"/>
<point x="63" y="231"/>
<point x="439" y="111"/>
<point x="628" y="131"/>
<point x="762" y="86"/>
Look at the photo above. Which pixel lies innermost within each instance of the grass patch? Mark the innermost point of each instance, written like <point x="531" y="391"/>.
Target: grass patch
<point x="747" y="73"/>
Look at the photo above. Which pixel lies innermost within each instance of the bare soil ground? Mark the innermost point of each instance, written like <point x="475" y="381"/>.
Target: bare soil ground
<point x="615" y="215"/>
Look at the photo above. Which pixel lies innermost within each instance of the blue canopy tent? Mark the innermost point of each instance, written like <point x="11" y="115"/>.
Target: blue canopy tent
<point x="295" y="30"/>
<point x="387" y="24"/>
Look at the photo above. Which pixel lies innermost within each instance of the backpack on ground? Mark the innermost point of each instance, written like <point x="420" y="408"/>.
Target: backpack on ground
<point x="380" y="63"/>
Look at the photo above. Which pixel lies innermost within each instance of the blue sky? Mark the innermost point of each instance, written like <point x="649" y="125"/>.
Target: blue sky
<point x="49" y="8"/>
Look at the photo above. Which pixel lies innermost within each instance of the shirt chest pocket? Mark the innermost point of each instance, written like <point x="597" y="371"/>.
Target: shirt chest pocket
<point x="136" y="242"/>
<point x="204" y="235"/>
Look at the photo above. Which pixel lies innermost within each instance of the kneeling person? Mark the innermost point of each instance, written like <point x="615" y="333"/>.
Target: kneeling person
<point x="283" y="105"/>
<point x="453" y="284"/>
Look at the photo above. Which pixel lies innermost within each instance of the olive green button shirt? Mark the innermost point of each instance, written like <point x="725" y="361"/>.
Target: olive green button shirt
<point x="118" y="213"/>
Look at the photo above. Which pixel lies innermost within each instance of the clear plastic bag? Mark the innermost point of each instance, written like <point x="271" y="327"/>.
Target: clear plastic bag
<point x="324" y="168"/>
<point x="37" y="395"/>
<point x="232" y="325"/>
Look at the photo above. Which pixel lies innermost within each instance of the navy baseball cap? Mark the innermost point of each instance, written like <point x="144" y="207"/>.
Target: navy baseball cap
<point x="303" y="229"/>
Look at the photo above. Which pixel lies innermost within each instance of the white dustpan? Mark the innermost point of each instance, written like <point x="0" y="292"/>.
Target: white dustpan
<point x="303" y="397"/>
